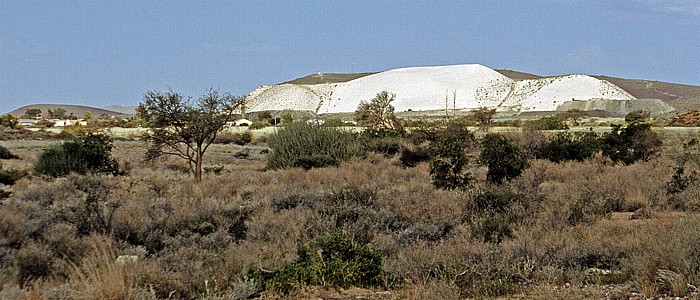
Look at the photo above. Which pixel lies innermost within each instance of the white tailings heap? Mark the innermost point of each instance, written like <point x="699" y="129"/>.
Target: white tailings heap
<point x="425" y="88"/>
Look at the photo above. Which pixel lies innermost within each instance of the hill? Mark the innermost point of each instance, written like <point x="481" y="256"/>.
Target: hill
<point x="515" y="75"/>
<point x="128" y="110"/>
<point x="321" y="78"/>
<point x="683" y="98"/>
<point x="77" y="110"/>
<point x="459" y="87"/>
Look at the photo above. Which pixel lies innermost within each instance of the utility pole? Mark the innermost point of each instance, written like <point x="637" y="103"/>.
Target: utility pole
<point x="447" y="114"/>
<point x="454" y="103"/>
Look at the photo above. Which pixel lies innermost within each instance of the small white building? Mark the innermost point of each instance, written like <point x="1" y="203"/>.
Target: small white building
<point x="27" y="122"/>
<point x="316" y="121"/>
<point x="242" y="122"/>
<point x="63" y="123"/>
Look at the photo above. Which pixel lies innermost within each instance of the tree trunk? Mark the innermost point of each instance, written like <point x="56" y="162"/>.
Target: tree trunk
<point x="198" y="165"/>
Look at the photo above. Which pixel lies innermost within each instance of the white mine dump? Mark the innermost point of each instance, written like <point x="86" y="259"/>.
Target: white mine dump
<point x="429" y="88"/>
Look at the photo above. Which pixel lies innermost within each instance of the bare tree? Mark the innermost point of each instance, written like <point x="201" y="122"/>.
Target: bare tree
<point x="572" y="115"/>
<point x="185" y="129"/>
<point x="378" y="112"/>
<point x="484" y="117"/>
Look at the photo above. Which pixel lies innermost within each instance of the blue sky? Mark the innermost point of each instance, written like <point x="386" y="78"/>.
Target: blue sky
<point x="102" y="53"/>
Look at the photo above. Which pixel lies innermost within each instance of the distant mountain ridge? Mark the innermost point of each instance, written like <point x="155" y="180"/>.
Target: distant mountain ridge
<point x="77" y="110"/>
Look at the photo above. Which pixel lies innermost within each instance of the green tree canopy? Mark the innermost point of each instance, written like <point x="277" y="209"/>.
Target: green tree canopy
<point x="8" y="120"/>
<point x="637" y="116"/>
<point x="32" y="113"/>
<point x="58" y="113"/>
<point x="503" y="158"/>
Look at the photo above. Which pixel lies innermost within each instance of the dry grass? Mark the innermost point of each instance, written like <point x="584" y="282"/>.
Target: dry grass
<point x="570" y="226"/>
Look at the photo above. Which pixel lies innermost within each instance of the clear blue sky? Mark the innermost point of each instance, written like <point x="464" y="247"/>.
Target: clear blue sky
<point x="101" y="53"/>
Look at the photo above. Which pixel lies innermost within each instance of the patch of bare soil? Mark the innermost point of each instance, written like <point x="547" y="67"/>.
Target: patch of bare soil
<point x="687" y="119"/>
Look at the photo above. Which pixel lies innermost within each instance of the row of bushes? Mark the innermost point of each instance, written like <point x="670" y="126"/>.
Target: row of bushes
<point x="449" y="148"/>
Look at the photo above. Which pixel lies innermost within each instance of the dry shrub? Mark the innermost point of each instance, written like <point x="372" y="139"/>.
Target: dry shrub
<point x="687" y="200"/>
<point x="188" y="269"/>
<point x="492" y="275"/>
<point x="226" y="187"/>
<point x="667" y="254"/>
<point x="476" y="269"/>
<point x="135" y="225"/>
<point x="423" y="213"/>
<point x="633" y="250"/>
<point x="99" y="276"/>
<point x="282" y="228"/>
<point x="419" y="202"/>
<point x="46" y="194"/>
<point x="433" y="290"/>
<point x="618" y="187"/>
<point x="192" y="272"/>
<point x="13" y="227"/>
<point x="33" y="261"/>
<point x="416" y="263"/>
<point x="62" y="239"/>
<point x="202" y="240"/>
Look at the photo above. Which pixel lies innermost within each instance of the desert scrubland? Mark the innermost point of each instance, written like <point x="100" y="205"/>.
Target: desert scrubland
<point x="374" y="226"/>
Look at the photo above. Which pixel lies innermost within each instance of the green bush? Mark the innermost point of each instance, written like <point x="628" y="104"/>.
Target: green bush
<point x="9" y="177"/>
<point x="448" y="151"/>
<point x="630" y="144"/>
<point x="382" y="140"/>
<point x="86" y="154"/>
<point x="411" y="156"/>
<point x="9" y="121"/>
<point x="333" y="260"/>
<point x="316" y="161"/>
<point x="6" y="154"/>
<point x="387" y="146"/>
<point x="565" y="146"/>
<point x="503" y="158"/>
<point x="301" y="144"/>
<point x="379" y="133"/>
<point x="637" y="116"/>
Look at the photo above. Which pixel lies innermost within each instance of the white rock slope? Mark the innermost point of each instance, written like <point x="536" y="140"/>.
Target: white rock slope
<point x="546" y="94"/>
<point x="421" y="88"/>
<point x="425" y="88"/>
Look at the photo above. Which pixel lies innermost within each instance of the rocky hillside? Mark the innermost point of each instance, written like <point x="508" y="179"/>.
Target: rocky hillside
<point x="463" y="87"/>
<point x="682" y="97"/>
